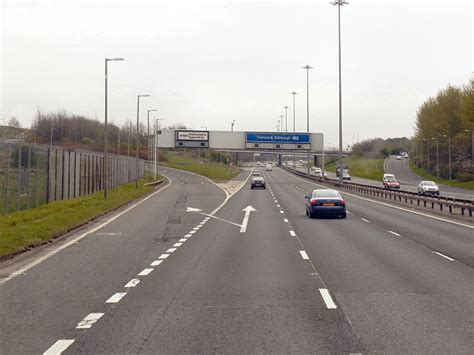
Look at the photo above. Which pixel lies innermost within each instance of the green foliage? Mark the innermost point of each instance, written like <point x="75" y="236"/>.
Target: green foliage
<point x="446" y="118"/>
<point x="361" y="167"/>
<point x="87" y="141"/>
<point x="469" y="184"/>
<point x="24" y="229"/>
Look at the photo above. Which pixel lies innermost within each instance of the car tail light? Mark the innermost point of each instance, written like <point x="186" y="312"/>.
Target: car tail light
<point x="313" y="202"/>
<point x="342" y="203"/>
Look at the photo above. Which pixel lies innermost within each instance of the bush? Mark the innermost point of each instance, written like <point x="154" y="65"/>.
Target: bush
<point x="464" y="177"/>
<point x="87" y="141"/>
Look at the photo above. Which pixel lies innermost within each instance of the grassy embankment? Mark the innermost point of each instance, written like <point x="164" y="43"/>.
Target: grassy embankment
<point x="425" y="175"/>
<point x="202" y="166"/>
<point x="24" y="229"/>
<point x="361" y="167"/>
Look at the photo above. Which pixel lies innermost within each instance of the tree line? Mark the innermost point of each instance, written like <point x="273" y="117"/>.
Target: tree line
<point x="444" y="131"/>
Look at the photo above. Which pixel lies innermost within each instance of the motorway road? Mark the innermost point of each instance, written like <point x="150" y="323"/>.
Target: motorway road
<point x="407" y="178"/>
<point x="378" y="281"/>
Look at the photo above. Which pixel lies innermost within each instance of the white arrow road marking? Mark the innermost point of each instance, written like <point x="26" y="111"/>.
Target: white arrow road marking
<point x="197" y="210"/>
<point x="247" y="210"/>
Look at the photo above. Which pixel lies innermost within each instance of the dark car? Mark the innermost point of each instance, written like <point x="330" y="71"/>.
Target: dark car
<point x="325" y="202"/>
<point x="257" y="181"/>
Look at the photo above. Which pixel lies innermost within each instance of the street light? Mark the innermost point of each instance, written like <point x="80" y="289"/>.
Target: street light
<point x="307" y="67"/>
<point x="138" y="135"/>
<point x="286" y="118"/>
<point x="428" y="141"/>
<point x="106" y="133"/>
<point x="278" y="126"/>
<point x="340" y="3"/>
<point x="148" y="132"/>
<point x="437" y="156"/>
<point x="281" y="121"/>
<point x="294" y="110"/>
<point x="156" y="146"/>
<point x="472" y="144"/>
<point x="232" y="125"/>
<point x="449" y="153"/>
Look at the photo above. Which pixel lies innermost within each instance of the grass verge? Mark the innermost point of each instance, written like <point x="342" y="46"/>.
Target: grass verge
<point x="200" y="166"/>
<point x="361" y="167"/>
<point x="425" y="175"/>
<point x="22" y="230"/>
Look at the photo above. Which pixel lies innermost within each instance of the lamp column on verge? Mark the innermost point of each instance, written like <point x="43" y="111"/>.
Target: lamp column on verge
<point x="138" y="136"/>
<point x="148" y="132"/>
<point x="340" y="3"/>
<point x="106" y="136"/>
<point x="307" y="67"/>
<point x="157" y="158"/>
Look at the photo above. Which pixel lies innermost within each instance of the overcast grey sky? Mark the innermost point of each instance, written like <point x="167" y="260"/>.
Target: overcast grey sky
<point x="206" y="63"/>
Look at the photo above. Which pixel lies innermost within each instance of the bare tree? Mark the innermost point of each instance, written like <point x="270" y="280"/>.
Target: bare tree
<point x="13" y="122"/>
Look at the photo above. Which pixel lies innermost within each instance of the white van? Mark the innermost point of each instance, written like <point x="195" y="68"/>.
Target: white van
<point x="269" y="167"/>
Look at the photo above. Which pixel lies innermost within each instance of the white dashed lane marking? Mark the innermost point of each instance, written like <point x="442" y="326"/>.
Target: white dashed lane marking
<point x="171" y="250"/>
<point x="327" y="298"/>
<point x="304" y="255"/>
<point x="444" y="256"/>
<point x="89" y="320"/>
<point x="156" y="262"/>
<point x="132" y="283"/>
<point x="177" y="245"/>
<point x="116" y="297"/>
<point x="365" y="220"/>
<point x="281" y="211"/>
<point x="292" y="233"/>
<point x="145" y="272"/>
<point x="187" y="235"/>
<point x="392" y="232"/>
<point x="163" y="256"/>
<point x="182" y="240"/>
<point x="285" y="220"/>
<point x="59" y="346"/>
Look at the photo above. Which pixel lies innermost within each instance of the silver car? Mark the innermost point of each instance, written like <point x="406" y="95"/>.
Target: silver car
<point x="428" y="188"/>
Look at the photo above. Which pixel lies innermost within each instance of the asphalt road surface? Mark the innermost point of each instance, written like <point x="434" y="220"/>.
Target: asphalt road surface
<point x="408" y="180"/>
<point x="191" y="270"/>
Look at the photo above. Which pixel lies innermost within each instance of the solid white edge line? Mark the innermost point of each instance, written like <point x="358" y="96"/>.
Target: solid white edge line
<point x="90" y="319"/>
<point x="444" y="256"/>
<point x="386" y="204"/>
<point x="327" y="298"/>
<point x="156" y="262"/>
<point x="79" y="237"/>
<point x="292" y="233"/>
<point x="115" y="298"/>
<point x="145" y="272"/>
<point x="132" y="283"/>
<point x="392" y="232"/>
<point x="304" y="255"/>
<point x="59" y="346"/>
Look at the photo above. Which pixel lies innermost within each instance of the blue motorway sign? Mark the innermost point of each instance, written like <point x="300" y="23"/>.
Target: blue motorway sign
<point x="285" y="137"/>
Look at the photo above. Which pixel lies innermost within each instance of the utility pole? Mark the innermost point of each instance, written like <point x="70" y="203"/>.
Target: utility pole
<point x="138" y="136"/>
<point x="340" y="3"/>
<point x="286" y="118"/>
<point x="307" y="67"/>
<point x="294" y="111"/>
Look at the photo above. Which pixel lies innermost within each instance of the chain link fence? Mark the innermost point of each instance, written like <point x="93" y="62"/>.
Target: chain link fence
<point x="32" y="175"/>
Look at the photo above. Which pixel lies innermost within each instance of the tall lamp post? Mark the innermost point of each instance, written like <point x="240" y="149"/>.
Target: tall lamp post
<point x="281" y="121"/>
<point x="449" y="153"/>
<point x="157" y="157"/>
<point x="340" y="3"/>
<point x="138" y="135"/>
<point x="286" y="118"/>
<point x="294" y="111"/>
<point x="472" y="145"/>
<point x="307" y="67"/>
<point x="148" y="131"/>
<point x="106" y="135"/>
<point x="437" y="156"/>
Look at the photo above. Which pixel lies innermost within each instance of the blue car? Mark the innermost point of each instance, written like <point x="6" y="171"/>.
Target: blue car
<point x="325" y="202"/>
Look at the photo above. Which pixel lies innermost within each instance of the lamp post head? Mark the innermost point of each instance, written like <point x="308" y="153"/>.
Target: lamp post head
<point x="294" y="93"/>
<point x="152" y="110"/>
<point x="145" y="95"/>
<point x="307" y="67"/>
<point x="117" y="59"/>
<point x="339" y="2"/>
